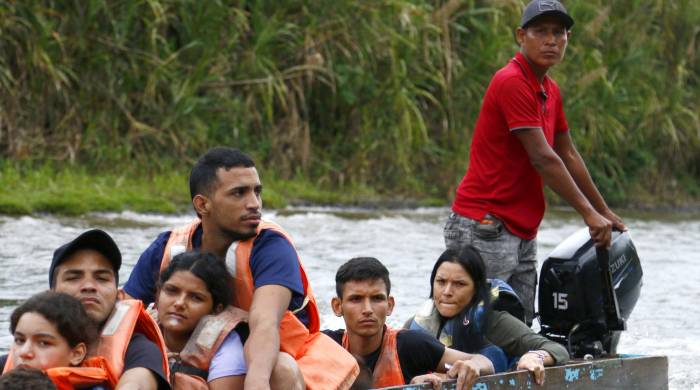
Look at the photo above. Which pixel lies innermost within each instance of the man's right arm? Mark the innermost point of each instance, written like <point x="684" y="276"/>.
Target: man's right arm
<point x="262" y="347"/>
<point x="465" y="367"/>
<point x="554" y="173"/>
<point x="451" y="356"/>
<point x="138" y="378"/>
<point x="142" y="280"/>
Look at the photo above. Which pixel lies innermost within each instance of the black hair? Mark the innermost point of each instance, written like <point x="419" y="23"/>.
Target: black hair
<point x="469" y="338"/>
<point x="361" y="268"/>
<point x="22" y="378"/>
<point x="203" y="174"/>
<point x="65" y="312"/>
<point x="207" y="267"/>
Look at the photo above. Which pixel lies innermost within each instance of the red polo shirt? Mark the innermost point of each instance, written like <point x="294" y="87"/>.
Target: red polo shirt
<point x="500" y="179"/>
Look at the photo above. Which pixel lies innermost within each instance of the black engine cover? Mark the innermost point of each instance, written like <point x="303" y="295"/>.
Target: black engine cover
<point x="572" y="293"/>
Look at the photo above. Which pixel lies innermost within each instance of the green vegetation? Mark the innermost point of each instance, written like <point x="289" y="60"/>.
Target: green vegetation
<point x="75" y="191"/>
<point x="105" y="104"/>
<point x="25" y="189"/>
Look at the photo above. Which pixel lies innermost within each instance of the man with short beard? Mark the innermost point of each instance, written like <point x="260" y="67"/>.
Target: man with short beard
<point x="269" y="278"/>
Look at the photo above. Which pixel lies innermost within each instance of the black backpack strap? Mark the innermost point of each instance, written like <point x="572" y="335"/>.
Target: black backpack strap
<point x="188" y="370"/>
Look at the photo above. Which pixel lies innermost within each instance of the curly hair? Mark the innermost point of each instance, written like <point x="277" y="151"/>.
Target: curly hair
<point x="65" y="312"/>
<point x="26" y="378"/>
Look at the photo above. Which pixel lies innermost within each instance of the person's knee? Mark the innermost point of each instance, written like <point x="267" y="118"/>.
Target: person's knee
<point x="286" y="374"/>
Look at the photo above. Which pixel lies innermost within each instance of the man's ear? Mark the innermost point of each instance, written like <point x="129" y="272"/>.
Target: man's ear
<point x="77" y="354"/>
<point x="336" y="305"/>
<point x="200" y="204"/>
<point x="391" y="302"/>
<point x="520" y="35"/>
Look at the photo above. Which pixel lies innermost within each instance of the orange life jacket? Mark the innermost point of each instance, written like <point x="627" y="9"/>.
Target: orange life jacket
<point x="181" y="240"/>
<point x="387" y="371"/>
<point x="92" y="371"/>
<point x="106" y="365"/>
<point x="190" y="371"/>
<point x="323" y="363"/>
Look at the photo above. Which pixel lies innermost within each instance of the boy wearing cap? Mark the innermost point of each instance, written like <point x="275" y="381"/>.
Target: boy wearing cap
<point x="521" y="141"/>
<point x="87" y="268"/>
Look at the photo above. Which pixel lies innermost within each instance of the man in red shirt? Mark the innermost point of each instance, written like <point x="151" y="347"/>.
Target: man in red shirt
<point x="521" y="141"/>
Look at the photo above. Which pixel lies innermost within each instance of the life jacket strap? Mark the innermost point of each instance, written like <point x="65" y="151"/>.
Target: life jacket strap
<point x="188" y="370"/>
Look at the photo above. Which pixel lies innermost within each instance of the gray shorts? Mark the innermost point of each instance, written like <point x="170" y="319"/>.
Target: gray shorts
<point x="506" y="256"/>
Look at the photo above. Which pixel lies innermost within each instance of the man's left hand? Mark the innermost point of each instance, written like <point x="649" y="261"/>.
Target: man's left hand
<point x="616" y="221"/>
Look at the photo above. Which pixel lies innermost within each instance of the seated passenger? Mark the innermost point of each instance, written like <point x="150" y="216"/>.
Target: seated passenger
<point x="270" y="280"/>
<point x="52" y="332"/>
<point x="87" y="268"/>
<point x="395" y="356"/>
<point x="460" y="315"/>
<point x="196" y="288"/>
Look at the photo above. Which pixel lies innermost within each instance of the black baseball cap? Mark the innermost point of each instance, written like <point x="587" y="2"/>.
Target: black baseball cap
<point x="95" y="239"/>
<point x="537" y="8"/>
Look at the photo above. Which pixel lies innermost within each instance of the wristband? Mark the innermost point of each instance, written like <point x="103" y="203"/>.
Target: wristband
<point x="540" y="355"/>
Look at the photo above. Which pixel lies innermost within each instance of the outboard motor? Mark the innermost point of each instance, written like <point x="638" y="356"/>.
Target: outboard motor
<point x="587" y="294"/>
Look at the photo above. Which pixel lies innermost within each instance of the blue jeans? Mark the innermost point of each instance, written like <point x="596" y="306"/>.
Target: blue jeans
<point x="506" y="256"/>
<point x="497" y="357"/>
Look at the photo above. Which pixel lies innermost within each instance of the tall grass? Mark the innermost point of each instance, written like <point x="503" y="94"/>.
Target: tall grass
<point x="345" y="93"/>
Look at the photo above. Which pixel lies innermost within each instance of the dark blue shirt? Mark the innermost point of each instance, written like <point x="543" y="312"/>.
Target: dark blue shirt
<point x="273" y="261"/>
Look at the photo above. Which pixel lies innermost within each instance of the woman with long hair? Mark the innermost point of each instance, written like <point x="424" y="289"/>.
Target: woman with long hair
<point x="468" y="312"/>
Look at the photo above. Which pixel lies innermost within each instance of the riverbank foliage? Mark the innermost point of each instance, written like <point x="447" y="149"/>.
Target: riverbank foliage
<point x="47" y="189"/>
<point x="344" y="94"/>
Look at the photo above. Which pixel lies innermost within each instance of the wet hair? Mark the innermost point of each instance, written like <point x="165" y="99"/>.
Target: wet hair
<point x="65" y="312"/>
<point x="361" y="268"/>
<point x="22" y="378"/>
<point x="471" y="338"/>
<point x="207" y="267"/>
<point x="203" y="174"/>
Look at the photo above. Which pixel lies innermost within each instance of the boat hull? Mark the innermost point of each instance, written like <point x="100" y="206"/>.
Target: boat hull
<point x="620" y="372"/>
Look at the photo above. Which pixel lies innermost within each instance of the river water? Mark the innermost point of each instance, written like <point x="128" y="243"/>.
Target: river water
<point x="665" y="320"/>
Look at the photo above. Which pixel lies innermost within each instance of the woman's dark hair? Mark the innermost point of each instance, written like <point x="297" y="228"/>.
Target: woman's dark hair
<point x="207" y="267"/>
<point x="469" y="338"/>
<point x="64" y="312"/>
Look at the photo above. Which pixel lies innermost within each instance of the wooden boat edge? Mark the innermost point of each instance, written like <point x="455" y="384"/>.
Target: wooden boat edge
<point x="620" y="372"/>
